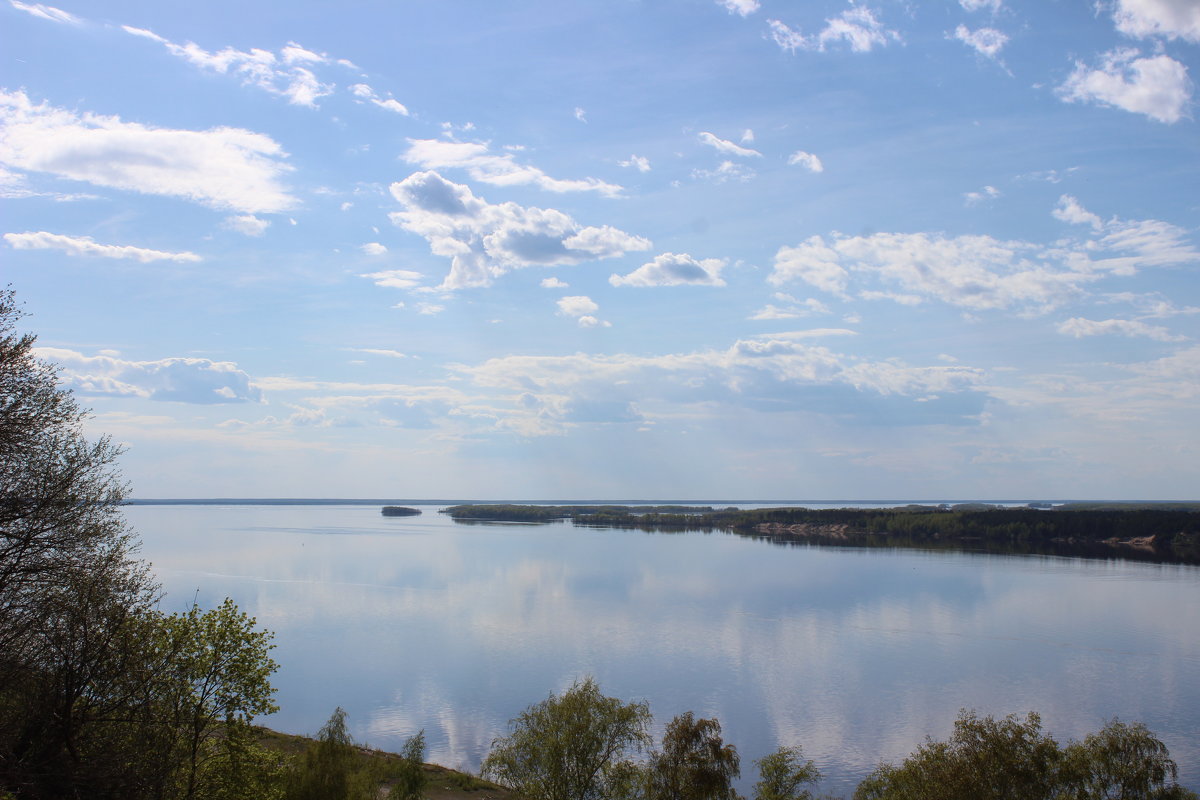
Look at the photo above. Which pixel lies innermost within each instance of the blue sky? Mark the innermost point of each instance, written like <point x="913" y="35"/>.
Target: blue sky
<point x="615" y="249"/>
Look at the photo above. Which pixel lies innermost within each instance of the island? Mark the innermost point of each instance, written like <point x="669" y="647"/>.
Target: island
<point x="400" y="511"/>
<point x="1163" y="532"/>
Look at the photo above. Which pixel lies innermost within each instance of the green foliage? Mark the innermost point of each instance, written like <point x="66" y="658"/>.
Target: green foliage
<point x="409" y="779"/>
<point x="989" y="759"/>
<point x="694" y="764"/>
<point x="101" y="695"/>
<point x="568" y="747"/>
<point x="783" y="773"/>
<point x="1120" y="762"/>
<point x="331" y="768"/>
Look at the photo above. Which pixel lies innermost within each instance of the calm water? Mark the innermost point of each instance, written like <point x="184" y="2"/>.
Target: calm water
<point x="856" y="655"/>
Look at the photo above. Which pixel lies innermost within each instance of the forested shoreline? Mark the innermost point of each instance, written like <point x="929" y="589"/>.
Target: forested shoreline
<point x="1168" y="532"/>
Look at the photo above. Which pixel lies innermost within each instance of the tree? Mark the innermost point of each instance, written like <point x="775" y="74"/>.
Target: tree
<point x="695" y="763"/>
<point x="409" y="780"/>
<point x="101" y="695"/>
<point x="1009" y="759"/>
<point x="569" y="747"/>
<point x="331" y="768"/>
<point x="1120" y="762"/>
<point x="782" y="773"/>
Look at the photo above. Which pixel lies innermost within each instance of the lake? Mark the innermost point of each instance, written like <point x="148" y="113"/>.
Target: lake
<point x="856" y="655"/>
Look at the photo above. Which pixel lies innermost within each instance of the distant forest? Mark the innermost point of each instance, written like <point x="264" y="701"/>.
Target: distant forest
<point x="1168" y="532"/>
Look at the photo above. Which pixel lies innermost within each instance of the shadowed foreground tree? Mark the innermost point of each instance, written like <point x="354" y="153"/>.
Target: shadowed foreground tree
<point x="101" y="695"/>
<point x="695" y="763"/>
<point x="573" y="746"/>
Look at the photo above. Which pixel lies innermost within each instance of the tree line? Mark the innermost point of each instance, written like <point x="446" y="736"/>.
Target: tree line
<point x="582" y="745"/>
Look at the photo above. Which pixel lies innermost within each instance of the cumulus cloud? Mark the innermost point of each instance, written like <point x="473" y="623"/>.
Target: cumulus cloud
<point x="671" y="269"/>
<point x="1157" y="86"/>
<point x="283" y="75"/>
<point x="987" y="42"/>
<point x="980" y="272"/>
<point x="85" y="246"/>
<point x="1080" y="327"/>
<point x="726" y="146"/>
<point x="1169" y="18"/>
<point x="857" y="27"/>
<point x="247" y="224"/>
<point x="741" y="7"/>
<point x="639" y="163"/>
<point x="225" y="168"/>
<point x="182" y="380"/>
<point x="497" y="169"/>
<point x="366" y="93"/>
<point x="47" y="12"/>
<point x="553" y="283"/>
<point x="582" y="309"/>
<point x="373" y="248"/>
<point x="395" y="278"/>
<point x="979" y="5"/>
<point x="484" y="241"/>
<point x="806" y="160"/>
<point x="1069" y="210"/>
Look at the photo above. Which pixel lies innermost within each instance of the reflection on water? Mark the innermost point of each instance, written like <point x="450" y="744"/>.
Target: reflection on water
<point x="414" y="623"/>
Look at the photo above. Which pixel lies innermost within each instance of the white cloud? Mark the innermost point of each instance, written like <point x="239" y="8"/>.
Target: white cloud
<point x="384" y="353"/>
<point x="1080" y="327"/>
<point x="980" y="272"/>
<point x="985" y="41"/>
<point x="365" y="92"/>
<point x="1170" y="18"/>
<point x="47" y="12"/>
<point x="978" y="5"/>
<point x="395" y="278"/>
<point x="639" y="163"/>
<point x="727" y="171"/>
<point x="85" y="246"/>
<point x="222" y="168"/>
<point x="1157" y="86"/>
<point x="747" y="136"/>
<point x="553" y="283"/>
<point x="583" y="310"/>
<point x="806" y="160"/>
<point x="725" y="146"/>
<point x="671" y="269"/>
<point x="580" y="114"/>
<point x="742" y="7"/>
<point x="429" y="309"/>
<point x="577" y="306"/>
<point x="857" y="27"/>
<point x="484" y="241"/>
<point x="280" y="75"/>
<point x="1069" y="210"/>
<point x="794" y="309"/>
<point x="373" y="248"/>
<point x="499" y="170"/>
<point x="247" y="224"/>
<point x="184" y="380"/>
<point x="986" y="193"/>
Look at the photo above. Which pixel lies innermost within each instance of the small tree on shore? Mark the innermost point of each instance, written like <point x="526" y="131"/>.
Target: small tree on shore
<point x="569" y="746"/>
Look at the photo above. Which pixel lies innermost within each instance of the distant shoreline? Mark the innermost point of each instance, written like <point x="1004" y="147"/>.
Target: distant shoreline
<point x="371" y="501"/>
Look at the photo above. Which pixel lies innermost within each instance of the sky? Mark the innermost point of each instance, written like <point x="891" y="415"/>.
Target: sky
<point x="615" y="249"/>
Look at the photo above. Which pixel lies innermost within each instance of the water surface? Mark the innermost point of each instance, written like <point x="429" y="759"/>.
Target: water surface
<point x="856" y="655"/>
